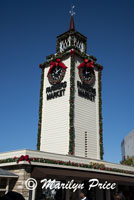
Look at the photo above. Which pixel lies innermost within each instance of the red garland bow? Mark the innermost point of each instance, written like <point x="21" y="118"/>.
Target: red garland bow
<point x="57" y="63"/>
<point x="26" y="157"/>
<point x="86" y="63"/>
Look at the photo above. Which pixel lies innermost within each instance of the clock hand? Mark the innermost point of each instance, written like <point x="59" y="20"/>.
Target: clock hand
<point x="58" y="70"/>
<point x="55" y="71"/>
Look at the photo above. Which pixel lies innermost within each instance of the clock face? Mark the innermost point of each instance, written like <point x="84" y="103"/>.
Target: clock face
<point x="56" y="75"/>
<point x="87" y="75"/>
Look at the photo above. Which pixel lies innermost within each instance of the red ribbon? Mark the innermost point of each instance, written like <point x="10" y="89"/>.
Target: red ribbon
<point x="22" y="158"/>
<point x="86" y="63"/>
<point x="57" y="63"/>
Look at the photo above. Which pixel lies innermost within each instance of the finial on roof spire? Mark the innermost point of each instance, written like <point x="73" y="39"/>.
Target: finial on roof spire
<point x="72" y="11"/>
<point x="72" y="26"/>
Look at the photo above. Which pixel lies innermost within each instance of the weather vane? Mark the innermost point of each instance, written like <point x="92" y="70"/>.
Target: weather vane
<point x="72" y="11"/>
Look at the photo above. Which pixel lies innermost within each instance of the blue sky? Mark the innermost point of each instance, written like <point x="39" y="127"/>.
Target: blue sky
<point x="28" y="31"/>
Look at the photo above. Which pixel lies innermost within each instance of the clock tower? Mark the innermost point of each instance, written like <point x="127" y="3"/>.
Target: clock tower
<point x="70" y="116"/>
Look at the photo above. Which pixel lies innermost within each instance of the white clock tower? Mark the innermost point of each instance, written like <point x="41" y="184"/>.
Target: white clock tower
<point x="70" y="120"/>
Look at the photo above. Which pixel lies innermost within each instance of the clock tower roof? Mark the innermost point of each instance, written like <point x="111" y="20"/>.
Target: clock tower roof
<point x="71" y="39"/>
<point x="71" y="29"/>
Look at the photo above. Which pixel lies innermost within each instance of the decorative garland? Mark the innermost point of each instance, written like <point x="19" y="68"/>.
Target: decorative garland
<point x="72" y="91"/>
<point x="91" y="165"/>
<point x="40" y="109"/>
<point x="83" y="55"/>
<point x="100" y="117"/>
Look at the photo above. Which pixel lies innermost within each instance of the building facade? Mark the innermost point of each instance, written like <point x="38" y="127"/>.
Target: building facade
<point x="127" y="146"/>
<point x="38" y="165"/>
<point x="70" y="111"/>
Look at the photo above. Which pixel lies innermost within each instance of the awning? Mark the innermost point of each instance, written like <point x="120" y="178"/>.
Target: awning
<point x="67" y="174"/>
<point x="7" y="174"/>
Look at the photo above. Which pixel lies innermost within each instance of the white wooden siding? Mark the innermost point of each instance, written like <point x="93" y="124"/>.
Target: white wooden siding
<point x="86" y="120"/>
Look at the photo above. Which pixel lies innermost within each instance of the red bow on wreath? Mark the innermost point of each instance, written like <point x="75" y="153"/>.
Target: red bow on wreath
<point x="26" y="157"/>
<point x="57" y="63"/>
<point x="86" y="63"/>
